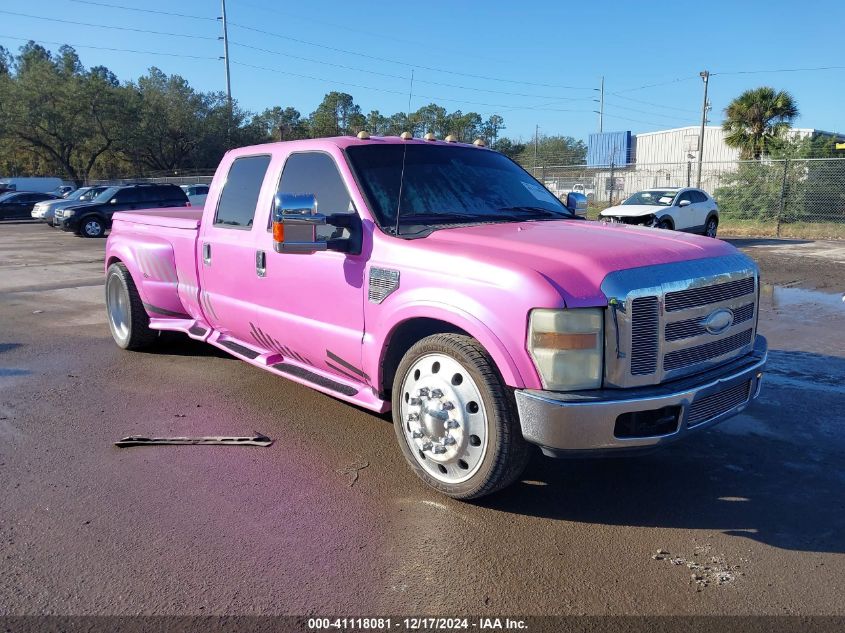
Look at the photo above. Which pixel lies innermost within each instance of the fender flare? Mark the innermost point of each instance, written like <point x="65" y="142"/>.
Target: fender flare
<point x="499" y="353"/>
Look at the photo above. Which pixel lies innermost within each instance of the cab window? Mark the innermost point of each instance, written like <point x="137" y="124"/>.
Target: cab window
<point x="316" y="173"/>
<point x="238" y="200"/>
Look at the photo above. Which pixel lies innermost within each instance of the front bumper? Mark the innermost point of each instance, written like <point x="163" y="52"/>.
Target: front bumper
<point x="619" y="420"/>
<point x="66" y="223"/>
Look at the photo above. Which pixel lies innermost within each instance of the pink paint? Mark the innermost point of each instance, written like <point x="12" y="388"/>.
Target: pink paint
<point x="311" y="310"/>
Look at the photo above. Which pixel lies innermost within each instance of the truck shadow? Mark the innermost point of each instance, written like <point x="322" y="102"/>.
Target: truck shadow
<point x="775" y="474"/>
<point x="178" y="344"/>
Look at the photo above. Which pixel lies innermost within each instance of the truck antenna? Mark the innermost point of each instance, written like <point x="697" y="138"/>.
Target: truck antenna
<point x="404" y="154"/>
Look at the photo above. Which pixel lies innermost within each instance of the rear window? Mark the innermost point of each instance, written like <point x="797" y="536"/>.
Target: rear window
<point x="238" y="200"/>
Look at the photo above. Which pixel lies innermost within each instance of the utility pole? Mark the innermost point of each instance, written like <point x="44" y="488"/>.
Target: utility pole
<point x="536" y="143"/>
<point x="705" y="75"/>
<point x="601" y="106"/>
<point x="226" y="60"/>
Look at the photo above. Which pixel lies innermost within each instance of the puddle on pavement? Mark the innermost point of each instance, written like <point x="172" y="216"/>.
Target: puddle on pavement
<point x="783" y="297"/>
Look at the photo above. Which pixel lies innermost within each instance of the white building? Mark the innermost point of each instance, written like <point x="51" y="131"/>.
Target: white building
<point x="680" y="145"/>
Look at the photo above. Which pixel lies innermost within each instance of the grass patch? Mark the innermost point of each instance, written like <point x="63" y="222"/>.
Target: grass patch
<point x="801" y="230"/>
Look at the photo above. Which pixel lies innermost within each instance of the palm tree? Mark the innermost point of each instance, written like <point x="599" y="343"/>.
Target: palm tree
<point x="756" y="118"/>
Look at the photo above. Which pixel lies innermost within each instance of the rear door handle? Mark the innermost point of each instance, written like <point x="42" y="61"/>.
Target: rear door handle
<point x="261" y="263"/>
<point x="206" y="253"/>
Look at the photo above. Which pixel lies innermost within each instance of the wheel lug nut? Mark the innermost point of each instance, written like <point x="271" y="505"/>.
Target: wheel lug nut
<point x="451" y="424"/>
<point x="436" y="393"/>
<point x="449" y="441"/>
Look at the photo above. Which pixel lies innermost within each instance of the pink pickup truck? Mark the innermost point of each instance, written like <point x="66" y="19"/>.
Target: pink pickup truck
<point x="439" y="280"/>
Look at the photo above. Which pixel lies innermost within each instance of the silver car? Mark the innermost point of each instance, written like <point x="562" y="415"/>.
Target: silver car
<point x="46" y="211"/>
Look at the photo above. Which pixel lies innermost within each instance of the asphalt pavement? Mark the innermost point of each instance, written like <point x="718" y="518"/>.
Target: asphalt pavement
<point x="746" y="518"/>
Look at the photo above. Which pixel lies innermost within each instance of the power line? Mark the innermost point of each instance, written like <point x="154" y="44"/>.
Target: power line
<point x="400" y="63"/>
<point x="107" y="48"/>
<point x="300" y="41"/>
<point x="391" y="76"/>
<point x="657" y="105"/>
<point x="344" y="27"/>
<point x="119" y="6"/>
<point x="668" y="116"/>
<point x="778" y="70"/>
<point x="105" y="26"/>
<point x="400" y="92"/>
<point x="655" y="85"/>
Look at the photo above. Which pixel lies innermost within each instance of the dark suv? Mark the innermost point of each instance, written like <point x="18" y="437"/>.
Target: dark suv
<point x="93" y="218"/>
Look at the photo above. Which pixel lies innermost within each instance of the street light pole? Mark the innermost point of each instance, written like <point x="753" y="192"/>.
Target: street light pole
<point x="601" y="106"/>
<point x="705" y="75"/>
<point x="226" y="60"/>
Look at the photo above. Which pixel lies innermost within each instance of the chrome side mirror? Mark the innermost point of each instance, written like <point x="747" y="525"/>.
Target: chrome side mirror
<point x="577" y="203"/>
<point x="295" y="222"/>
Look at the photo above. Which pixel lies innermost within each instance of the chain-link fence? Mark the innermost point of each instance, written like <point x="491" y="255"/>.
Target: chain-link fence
<point x="186" y="177"/>
<point x="794" y="197"/>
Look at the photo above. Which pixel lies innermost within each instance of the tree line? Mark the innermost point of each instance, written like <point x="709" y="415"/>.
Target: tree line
<point x="58" y="117"/>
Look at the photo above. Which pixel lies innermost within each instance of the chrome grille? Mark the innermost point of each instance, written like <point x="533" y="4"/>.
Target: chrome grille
<point x="716" y="404"/>
<point x="678" y="330"/>
<point x="701" y="353"/>
<point x="656" y="329"/>
<point x="644" y="333"/>
<point x="685" y="299"/>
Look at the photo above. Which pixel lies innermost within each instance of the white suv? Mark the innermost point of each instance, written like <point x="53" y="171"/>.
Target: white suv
<point x="688" y="209"/>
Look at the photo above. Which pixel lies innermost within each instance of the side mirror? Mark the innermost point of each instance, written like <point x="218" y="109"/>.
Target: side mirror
<point x="684" y="203"/>
<point x="577" y="203"/>
<point x="295" y="222"/>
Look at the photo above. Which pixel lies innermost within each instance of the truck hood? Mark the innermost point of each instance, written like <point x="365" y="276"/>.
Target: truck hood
<point x="633" y="210"/>
<point x="574" y="255"/>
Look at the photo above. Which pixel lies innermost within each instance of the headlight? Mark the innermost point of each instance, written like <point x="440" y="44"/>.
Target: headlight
<point x="567" y="347"/>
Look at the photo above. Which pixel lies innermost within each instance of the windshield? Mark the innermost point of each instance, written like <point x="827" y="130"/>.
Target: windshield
<point x="76" y="195"/>
<point x="107" y="194"/>
<point x="659" y="198"/>
<point x="448" y="185"/>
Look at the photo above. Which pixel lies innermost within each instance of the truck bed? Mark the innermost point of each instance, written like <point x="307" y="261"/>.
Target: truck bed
<point x="173" y="217"/>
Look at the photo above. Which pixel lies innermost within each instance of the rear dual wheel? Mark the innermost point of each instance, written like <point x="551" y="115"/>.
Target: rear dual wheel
<point x="455" y="419"/>
<point x="128" y="320"/>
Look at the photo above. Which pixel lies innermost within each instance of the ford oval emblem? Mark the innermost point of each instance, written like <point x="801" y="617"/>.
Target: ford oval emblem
<point x="718" y="321"/>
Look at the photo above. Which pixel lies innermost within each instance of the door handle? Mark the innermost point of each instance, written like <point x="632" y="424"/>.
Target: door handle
<point x="261" y="263"/>
<point x="206" y="253"/>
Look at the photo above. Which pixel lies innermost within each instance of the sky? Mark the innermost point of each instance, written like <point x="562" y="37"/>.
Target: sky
<point x="534" y="62"/>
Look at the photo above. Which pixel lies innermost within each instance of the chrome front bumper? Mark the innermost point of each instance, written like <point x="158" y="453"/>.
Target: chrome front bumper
<point x="603" y="420"/>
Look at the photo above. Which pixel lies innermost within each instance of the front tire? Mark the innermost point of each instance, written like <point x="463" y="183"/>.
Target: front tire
<point x="92" y="227"/>
<point x="128" y="321"/>
<point x="455" y="419"/>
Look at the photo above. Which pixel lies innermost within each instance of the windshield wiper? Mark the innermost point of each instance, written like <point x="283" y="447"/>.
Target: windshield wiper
<point x="536" y="210"/>
<point x="439" y="217"/>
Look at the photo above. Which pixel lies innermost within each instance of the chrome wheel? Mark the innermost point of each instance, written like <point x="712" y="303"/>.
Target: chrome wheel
<point x="92" y="228"/>
<point x="443" y="418"/>
<point x="117" y="303"/>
